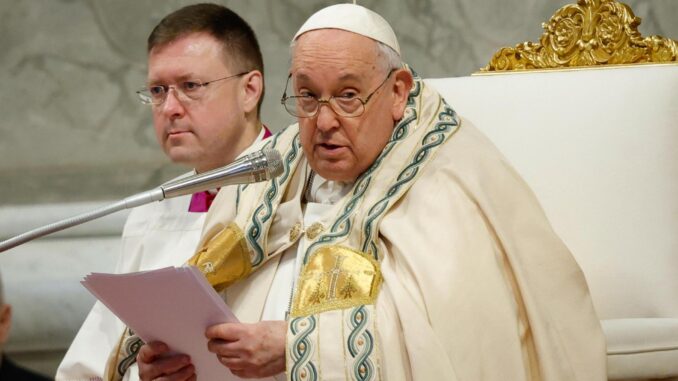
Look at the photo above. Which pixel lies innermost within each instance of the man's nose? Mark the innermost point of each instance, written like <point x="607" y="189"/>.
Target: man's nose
<point x="173" y="107"/>
<point x="326" y="119"/>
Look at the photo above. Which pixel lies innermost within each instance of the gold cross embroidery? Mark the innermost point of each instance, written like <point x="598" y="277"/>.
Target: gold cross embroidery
<point x="336" y="277"/>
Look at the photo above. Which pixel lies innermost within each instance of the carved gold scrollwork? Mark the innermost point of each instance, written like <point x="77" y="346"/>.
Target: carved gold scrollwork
<point x="591" y="32"/>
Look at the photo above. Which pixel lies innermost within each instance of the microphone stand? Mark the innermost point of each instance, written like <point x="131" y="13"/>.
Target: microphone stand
<point x="127" y="203"/>
<point x="255" y="167"/>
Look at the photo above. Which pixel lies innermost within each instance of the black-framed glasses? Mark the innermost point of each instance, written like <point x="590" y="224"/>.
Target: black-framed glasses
<point x="188" y="90"/>
<point x="308" y="106"/>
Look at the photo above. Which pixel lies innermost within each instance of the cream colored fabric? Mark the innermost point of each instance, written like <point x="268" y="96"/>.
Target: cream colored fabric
<point x="476" y="284"/>
<point x="599" y="149"/>
<point x="598" y="146"/>
<point x="353" y="18"/>
<point x="321" y="195"/>
<point x="642" y="348"/>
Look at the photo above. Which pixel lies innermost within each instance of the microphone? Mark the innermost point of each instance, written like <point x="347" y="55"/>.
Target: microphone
<point x="255" y="167"/>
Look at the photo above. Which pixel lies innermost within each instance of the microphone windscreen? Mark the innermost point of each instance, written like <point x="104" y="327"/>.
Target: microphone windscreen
<point x="273" y="163"/>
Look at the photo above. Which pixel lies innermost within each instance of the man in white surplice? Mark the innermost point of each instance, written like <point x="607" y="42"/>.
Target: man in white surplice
<point x="205" y="87"/>
<point x="398" y="244"/>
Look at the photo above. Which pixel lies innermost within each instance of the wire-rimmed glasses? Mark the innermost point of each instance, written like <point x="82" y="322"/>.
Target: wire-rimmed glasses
<point x="193" y="90"/>
<point x="308" y="106"/>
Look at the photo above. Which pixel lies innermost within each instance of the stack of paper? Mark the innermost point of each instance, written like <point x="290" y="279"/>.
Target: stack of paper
<point x="172" y="305"/>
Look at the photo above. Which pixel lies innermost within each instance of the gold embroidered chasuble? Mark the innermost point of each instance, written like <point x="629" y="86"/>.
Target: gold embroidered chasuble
<point x="438" y="264"/>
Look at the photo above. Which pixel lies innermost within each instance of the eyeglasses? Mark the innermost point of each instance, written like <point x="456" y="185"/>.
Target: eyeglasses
<point x="188" y="90"/>
<point x="308" y="106"/>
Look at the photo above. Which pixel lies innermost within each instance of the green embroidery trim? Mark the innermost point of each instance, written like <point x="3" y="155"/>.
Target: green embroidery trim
<point x="448" y="122"/>
<point x="258" y="227"/>
<point x="360" y="344"/>
<point x="303" y="369"/>
<point x="241" y="188"/>
<point x="132" y="345"/>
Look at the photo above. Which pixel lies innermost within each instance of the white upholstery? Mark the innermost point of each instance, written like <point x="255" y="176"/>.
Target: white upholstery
<point x="642" y="348"/>
<point x="600" y="149"/>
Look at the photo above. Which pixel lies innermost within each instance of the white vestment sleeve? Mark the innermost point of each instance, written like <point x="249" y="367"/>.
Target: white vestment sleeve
<point x="86" y="357"/>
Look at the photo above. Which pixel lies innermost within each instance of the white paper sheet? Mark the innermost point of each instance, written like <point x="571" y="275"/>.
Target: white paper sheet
<point x="173" y="305"/>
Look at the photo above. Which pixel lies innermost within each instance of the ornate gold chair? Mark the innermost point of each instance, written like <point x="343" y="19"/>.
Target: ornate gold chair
<point x="589" y="117"/>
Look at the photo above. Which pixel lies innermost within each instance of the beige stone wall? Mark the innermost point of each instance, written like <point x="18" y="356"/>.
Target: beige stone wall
<point x="71" y="128"/>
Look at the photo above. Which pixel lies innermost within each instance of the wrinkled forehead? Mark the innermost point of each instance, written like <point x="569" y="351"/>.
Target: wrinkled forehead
<point x="333" y="49"/>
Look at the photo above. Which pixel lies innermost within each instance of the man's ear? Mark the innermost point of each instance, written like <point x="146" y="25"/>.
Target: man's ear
<point x="5" y="322"/>
<point x="253" y="90"/>
<point x="401" y="90"/>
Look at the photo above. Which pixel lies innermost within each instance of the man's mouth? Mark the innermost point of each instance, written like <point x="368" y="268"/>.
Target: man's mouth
<point x="329" y="146"/>
<point x="330" y="151"/>
<point x="177" y="132"/>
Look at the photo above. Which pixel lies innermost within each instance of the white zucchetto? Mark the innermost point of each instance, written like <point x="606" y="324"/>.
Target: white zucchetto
<point x="353" y="18"/>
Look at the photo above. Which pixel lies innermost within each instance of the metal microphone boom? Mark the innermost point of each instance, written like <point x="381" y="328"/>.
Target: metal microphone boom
<point x="258" y="166"/>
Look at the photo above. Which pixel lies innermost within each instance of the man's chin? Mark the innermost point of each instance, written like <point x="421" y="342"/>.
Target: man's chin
<point x="180" y="157"/>
<point x="335" y="172"/>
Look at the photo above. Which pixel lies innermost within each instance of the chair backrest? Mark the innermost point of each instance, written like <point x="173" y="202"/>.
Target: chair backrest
<point x="600" y="149"/>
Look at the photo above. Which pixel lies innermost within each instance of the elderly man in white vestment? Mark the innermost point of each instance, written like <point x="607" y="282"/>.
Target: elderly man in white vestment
<point x="205" y="87"/>
<point x="398" y="244"/>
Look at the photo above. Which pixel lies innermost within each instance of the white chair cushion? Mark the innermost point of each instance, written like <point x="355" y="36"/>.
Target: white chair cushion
<point x="641" y="348"/>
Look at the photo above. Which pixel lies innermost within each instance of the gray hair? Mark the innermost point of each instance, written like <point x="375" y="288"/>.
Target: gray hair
<point x="388" y="58"/>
